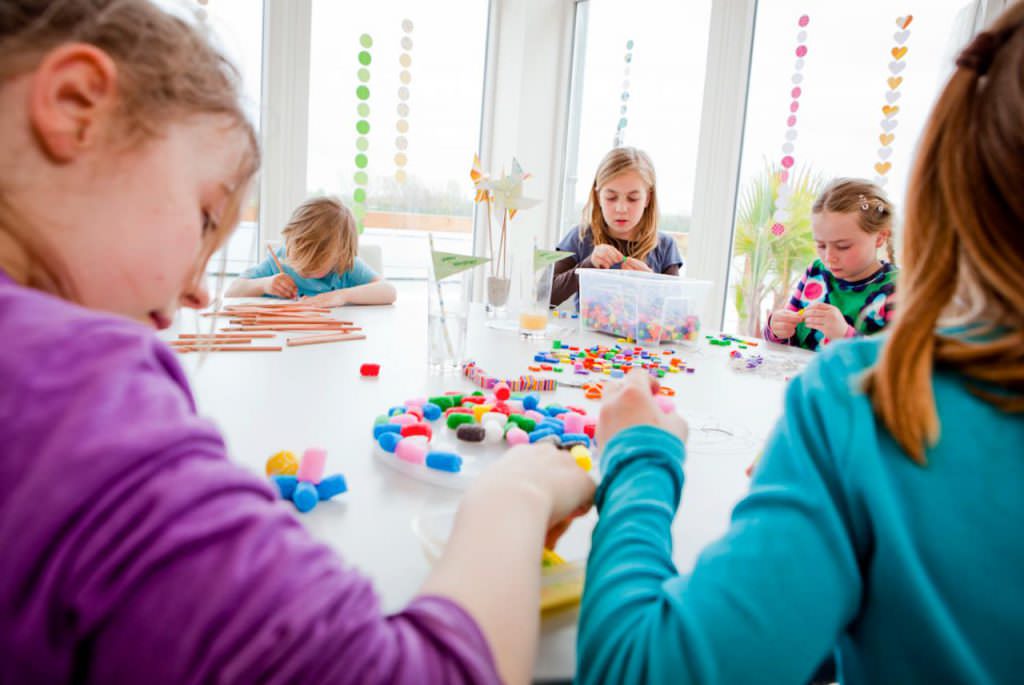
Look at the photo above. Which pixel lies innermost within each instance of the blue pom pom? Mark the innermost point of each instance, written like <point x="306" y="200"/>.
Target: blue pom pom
<point x="576" y="438"/>
<point x="331" y="486"/>
<point x="444" y="461"/>
<point x="530" y="402"/>
<point x="382" y="428"/>
<point x="305" y="497"/>
<point x="388" y="441"/>
<point x="285" y="485"/>
<point x="431" y="412"/>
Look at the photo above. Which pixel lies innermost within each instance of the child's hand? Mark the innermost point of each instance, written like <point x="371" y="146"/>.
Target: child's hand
<point x="605" y="257"/>
<point x="631" y="403"/>
<point x="633" y="264"/>
<point x="545" y="471"/>
<point x="280" y="285"/>
<point x="783" y="323"/>
<point x="334" y="298"/>
<point x="827" y="319"/>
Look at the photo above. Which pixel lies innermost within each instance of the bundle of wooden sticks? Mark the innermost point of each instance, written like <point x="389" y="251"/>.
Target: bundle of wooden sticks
<point x="248" y="322"/>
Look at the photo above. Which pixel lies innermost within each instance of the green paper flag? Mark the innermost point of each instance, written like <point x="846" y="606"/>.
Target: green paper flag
<point x="542" y="258"/>
<point x="449" y="263"/>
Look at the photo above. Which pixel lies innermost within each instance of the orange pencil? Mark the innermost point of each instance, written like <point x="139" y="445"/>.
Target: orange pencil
<point x="274" y="257"/>
<point x="317" y="339"/>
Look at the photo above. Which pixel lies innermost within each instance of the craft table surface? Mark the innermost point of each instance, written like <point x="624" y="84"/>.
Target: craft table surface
<point x="309" y="396"/>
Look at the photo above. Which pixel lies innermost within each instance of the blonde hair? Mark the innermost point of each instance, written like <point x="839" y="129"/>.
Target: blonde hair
<point x="321" y="233"/>
<point x="963" y="230"/>
<point x="167" y="71"/>
<point x="615" y="163"/>
<point x="863" y="198"/>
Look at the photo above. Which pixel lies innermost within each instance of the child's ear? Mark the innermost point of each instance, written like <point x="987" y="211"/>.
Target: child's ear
<point x="881" y="238"/>
<point x="72" y="99"/>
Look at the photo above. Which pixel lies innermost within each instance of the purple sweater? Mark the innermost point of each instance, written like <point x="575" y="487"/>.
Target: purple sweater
<point x="133" y="551"/>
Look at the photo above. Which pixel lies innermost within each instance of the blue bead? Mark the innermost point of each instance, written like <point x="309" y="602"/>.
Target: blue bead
<point x="285" y="485"/>
<point x="572" y="438"/>
<point x="557" y="425"/>
<point x="530" y="402"/>
<point x="444" y="461"/>
<point x="305" y="497"/>
<point x="617" y="373"/>
<point x="431" y="412"/>
<point x="331" y="486"/>
<point x="539" y="433"/>
<point x="395" y="411"/>
<point x="554" y="410"/>
<point x="388" y="441"/>
<point x="383" y="428"/>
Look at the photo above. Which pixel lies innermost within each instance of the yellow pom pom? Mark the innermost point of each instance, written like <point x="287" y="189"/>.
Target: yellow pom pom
<point x="283" y="463"/>
<point x="582" y="456"/>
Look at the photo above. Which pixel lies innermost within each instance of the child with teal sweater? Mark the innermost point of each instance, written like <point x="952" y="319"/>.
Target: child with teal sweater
<point x="867" y="532"/>
<point x="318" y="262"/>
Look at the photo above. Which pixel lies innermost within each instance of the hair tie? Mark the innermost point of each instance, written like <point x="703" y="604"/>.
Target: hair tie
<point x="980" y="53"/>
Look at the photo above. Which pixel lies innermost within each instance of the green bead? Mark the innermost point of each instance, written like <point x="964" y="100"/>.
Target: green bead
<point x="380" y="419"/>
<point x="456" y="420"/>
<point x="443" y="401"/>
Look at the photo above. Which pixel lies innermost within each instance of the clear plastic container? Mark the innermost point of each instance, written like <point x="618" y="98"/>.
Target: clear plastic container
<point x="647" y="308"/>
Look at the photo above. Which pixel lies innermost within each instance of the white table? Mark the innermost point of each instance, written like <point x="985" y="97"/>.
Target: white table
<point x="309" y="396"/>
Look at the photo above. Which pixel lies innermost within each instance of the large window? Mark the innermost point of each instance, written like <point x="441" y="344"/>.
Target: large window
<point x="836" y="89"/>
<point x="394" y="119"/>
<point x="237" y="28"/>
<point x="638" y="80"/>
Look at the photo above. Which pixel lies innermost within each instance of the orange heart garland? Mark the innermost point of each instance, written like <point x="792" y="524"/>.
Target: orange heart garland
<point x="883" y="168"/>
<point x="904" y="22"/>
<point x="886" y="139"/>
<point x="899" y="52"/>
<point x="894" y="82"/>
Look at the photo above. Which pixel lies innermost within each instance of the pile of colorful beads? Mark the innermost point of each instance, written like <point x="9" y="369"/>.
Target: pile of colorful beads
<point x="725" y="340"/>
<point x="525" y="383"/>
<point x="649" y="323"/>
<point x="409" y="431"/>
<point x="302" y="481"/>
<point x="614" y="361"/>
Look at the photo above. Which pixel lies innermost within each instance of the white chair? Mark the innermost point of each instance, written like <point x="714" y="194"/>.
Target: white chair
<point x="373" y="256"/>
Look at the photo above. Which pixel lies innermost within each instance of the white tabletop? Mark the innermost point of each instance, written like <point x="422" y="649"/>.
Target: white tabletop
<point x="310" y="396"/>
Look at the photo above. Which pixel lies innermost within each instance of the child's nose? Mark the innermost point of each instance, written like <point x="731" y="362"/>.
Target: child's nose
<point x="196" y="296"/>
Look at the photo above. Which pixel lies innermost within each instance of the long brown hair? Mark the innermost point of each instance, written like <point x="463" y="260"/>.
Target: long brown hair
<point x="167" y="70"/>
<point x="963" y="237"/>
<point x="869" y="202"/>
<point x="619" y="161"/>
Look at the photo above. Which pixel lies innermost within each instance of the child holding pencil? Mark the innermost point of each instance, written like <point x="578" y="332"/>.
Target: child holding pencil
<point x="883" y="522"/>
<point x="318" y="262"/>
<point x="133" y="550"/>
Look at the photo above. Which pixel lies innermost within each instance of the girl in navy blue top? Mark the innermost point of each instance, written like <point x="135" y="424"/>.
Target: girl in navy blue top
<point x="620" y="225"/>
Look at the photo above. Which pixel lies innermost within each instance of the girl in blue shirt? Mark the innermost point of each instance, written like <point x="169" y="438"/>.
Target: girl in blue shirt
<point x="319" y="261"/>
<point x="620" y="225"/>
<point x="868" y="532"/>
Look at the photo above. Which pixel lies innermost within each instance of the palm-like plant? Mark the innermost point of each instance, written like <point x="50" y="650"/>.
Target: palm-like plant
<point x="772" y="262"/>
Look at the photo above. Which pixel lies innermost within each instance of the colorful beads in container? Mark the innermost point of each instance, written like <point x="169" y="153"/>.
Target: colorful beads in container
<point x="302" y="481"/>
<point x="449" y="439"/>
<point x="647" y="308"/>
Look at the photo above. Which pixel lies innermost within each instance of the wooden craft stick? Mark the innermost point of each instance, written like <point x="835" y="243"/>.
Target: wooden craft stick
<point x="224" y="336"/>
<point x="229" y="348"/>
<point x="291" y="327"/>
<point x="317" y="339"/>
<point x="189" y="342"/>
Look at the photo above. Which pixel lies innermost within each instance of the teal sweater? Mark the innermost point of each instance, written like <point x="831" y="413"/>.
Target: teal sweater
<point x="912" y="574"/>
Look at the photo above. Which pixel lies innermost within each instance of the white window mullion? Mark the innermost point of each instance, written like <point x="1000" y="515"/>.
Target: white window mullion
<point x="718" y="157"/>
<point x="285" y="111"/>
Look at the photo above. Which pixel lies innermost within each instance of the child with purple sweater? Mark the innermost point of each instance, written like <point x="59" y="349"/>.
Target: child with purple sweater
<point x="133" y="551"/>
